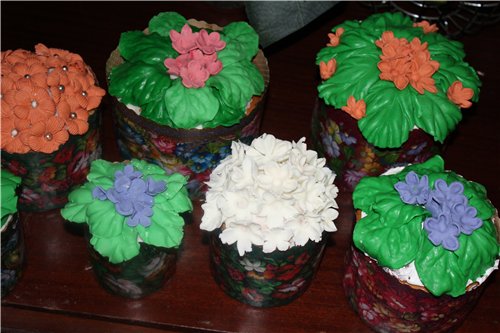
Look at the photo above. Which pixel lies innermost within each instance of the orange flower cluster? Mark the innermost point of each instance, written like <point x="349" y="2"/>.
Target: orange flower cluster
<point x="45" y="97"/>
<point x="406" y="63"/>
<point x="426" y="26"/>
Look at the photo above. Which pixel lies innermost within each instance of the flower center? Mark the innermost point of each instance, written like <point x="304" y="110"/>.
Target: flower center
<point x="61" y="87"/>
<point x="64" y="68"/>
<point x="34" y="104"/>
<point x="27" y="76"/>
<point x="73" y="115"/>
<point x="48" y="136"/>
<point x="14" y="133"/>
<point x="84" y="93"/>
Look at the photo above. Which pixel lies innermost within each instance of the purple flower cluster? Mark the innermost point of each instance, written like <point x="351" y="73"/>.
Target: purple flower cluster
<point x="132" y="195"/>
<point x="451" y="213"/>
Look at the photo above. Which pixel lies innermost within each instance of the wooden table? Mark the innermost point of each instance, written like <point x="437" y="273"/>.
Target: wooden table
<point x="58" y="292"/>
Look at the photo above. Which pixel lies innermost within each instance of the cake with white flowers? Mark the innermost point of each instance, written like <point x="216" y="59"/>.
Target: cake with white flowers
<point x="269" y="208"/>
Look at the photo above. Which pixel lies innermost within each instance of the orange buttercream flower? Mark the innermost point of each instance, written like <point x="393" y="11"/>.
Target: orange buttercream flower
<point x="357" y="109"/>
<point x="46" y="136"/>
<point x="12" y="131"/>
<point x="335" y="37"/>
<point x="66" y="56"/>
<point x="426" y="26"/>
<point x="87" y="94"/>
<point x="32" y="71"/>
<point x="326" y="70"/>
<point x="459" y="95"/>
<point x="406" y="63"/>
<point x="32" y="102"/>
<point x="75" y="118"/>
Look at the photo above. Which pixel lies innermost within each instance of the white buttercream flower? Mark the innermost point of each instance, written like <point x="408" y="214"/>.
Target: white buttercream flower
<point x="273" y="193"/>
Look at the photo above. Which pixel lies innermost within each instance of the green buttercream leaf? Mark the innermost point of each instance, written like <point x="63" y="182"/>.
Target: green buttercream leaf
<point x="432" y="165"/>
<point x="452" y="70"/>
<point x="139" y="82"/>
<point x="478" y="251"/>
<point x="242" y="35"/>
<point x="149" y="169"/>
<point x="102" y="173"/>
<point x="118" y="249"/>
<point x="178" y="203"/>
<point x="439" y="270"/>
<point x="388" y="121"/>
<point x="152" y="48"/>
<point x="166" y="229"/>
<point x="8" y="185"/>
<point x="192" y="107"/>
<point x="388" y="205"/>
<point x="78" y="202"/>
<point x="435" y="115"/>
<point x="368" y="189"/>
<point x="166" y="21"/>
<point x="394" y="247"/>
<point x="103" y="220"/>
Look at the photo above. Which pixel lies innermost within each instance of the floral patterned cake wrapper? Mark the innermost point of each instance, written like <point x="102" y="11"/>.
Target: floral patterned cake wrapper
<point x="337" y="138"/>
<point x="264" y="279"/>
<point x="191" y="152"/>
<point x="12" y="253"/>
<point x="135" y="278"/>
<point x="387" y="305"/>
<point x="47" y="179"/>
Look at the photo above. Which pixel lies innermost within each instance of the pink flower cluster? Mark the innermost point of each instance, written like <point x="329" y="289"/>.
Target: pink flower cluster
<point x="198" y="57"/>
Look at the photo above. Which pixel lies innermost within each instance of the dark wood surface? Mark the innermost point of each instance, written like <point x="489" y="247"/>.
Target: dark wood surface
<point x="58" y="292"/>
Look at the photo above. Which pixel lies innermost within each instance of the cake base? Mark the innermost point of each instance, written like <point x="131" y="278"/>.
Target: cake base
<point x="337" y="138"/>
<point x="12" y="253"/>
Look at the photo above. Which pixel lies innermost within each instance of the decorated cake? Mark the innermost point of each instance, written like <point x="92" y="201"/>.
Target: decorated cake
<point x="391" y="92"/>
<point x="50" y="123"/>
<point x="425" y="242"/>
<point x="184" y="90"/>
<point x="12" y="237"/>
<point x="132" y="210"/>
<point x="268" y="207"/>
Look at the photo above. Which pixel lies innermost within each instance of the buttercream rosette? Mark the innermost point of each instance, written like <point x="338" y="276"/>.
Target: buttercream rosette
<point x="8" y="186"/>
<point x="181" y="76"/>
<point x="47" y="95"/>
<point x="429" y="221"/>
<point x="272" y="193"/>
<point x="394" y="75"/>
<point x="128" y="203"/>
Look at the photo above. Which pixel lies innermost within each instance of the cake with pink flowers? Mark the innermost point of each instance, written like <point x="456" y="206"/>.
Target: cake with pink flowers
<point x="184" y="90"/>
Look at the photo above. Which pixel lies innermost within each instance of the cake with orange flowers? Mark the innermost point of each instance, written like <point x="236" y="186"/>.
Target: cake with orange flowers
<point x="391" y="92"/>
<point x="49" y="122"/>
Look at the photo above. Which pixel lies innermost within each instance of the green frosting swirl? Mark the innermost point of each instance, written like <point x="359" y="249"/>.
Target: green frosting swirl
<point x="142" y="80"/>
<point x="9" y="184"/>
<point x="111" y="236"/>
<point x="392" y="233"/>
<point x="392" y="113"/>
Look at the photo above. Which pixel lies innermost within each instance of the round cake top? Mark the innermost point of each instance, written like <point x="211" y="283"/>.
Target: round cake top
<point x="8" y="185"/>
<point x="46" y="96"/>
<point x="127" y="203"/>
<point x="272" y="193"/>
<point x="186" y="77"/>
<point x="433" y="218"/>
<point x="394" y="75"/>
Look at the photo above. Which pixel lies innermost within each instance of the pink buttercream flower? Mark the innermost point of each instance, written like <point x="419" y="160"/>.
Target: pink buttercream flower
<point x="184" y="41"/>
<point x="194" y="75"/>
<point x="174" y="65"/>
<point x="210" y="43"/>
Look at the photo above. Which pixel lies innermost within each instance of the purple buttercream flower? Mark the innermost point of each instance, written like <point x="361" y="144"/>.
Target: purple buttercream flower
<point x="442" y="232"/>
<point x="414" y="190"/>
<point x="465" y="218"/>
<point x="443" y="198"/>
<point x="132" y="195"/>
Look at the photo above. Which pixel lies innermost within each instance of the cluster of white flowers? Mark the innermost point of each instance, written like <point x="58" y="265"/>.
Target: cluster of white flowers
<point x="273" y="193"/>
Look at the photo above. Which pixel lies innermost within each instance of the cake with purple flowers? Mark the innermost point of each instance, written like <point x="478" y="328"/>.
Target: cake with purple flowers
<point x="424" y="243"/>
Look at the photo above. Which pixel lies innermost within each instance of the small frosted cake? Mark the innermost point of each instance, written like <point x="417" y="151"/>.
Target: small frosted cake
<point x="269" y="207"/>
<point x="424" y="244"/>
<point x="184" y="90"/>
<point x="50" y="123"/>
<point x="132" y="210"/>
<point x="391" y="92"/>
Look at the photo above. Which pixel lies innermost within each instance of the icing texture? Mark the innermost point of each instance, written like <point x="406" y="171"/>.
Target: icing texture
<point x="405" y="74"/>
<point x="273" y="193"/>
<point x="125" y="204"/>
<point x="445" y="228"/>
<point x="8" y="186"/>
<point x="46" y="96"/>
<point x="184" y="77"/>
